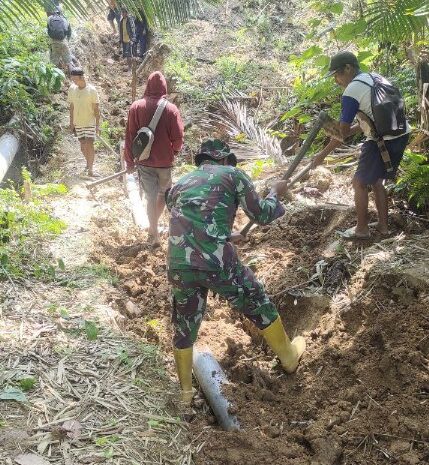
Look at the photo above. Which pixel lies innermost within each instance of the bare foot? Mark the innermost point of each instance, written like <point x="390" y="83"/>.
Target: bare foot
<point x="383" y="229"/>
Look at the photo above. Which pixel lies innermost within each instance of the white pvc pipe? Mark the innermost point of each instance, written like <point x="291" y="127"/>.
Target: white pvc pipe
<point x="138" y="207"/>
<point x="9" y="146"/>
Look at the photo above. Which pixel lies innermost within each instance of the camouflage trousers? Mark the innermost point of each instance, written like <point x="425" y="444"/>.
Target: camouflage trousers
<point x="239" y="286"/>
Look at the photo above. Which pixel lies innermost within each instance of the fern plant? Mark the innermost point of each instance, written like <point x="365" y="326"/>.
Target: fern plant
<point x="414" y="179"/>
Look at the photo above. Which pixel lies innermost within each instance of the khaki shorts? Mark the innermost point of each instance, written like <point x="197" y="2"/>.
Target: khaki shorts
<point x="60" y="53"/>
<point x="154" y="181"/>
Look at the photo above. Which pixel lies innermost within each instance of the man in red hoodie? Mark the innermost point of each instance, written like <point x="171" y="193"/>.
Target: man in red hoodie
<point x="155" y="171"/>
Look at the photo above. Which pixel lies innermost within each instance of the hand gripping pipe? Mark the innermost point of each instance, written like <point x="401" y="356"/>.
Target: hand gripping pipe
<point x="212" y="378"/>
<point x="317" y="126"/>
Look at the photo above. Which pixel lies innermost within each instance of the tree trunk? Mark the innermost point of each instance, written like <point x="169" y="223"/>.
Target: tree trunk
<point x="423" y="93"/>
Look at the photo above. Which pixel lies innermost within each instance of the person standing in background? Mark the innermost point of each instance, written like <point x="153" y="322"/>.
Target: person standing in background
<point x="127" y="36"/>
<point x="142" y="34"/>
<point x="114" y="15"/>
<point x="84" y="116"/>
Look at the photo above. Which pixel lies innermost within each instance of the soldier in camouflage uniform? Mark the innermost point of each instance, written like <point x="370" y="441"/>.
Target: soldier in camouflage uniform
<point x="201" y="255"/>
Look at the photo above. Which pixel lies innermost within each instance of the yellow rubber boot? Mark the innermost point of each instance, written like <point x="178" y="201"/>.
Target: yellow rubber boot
<point x="288" y="352"/>
<point x="183" y="359"/>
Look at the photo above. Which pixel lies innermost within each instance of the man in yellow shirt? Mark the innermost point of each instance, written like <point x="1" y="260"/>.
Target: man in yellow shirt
<point x="127" y="35"/>
<point x="84" y="116"/>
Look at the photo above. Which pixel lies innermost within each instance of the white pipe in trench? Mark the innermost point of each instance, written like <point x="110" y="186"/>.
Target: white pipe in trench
<point x="9" y="146"/>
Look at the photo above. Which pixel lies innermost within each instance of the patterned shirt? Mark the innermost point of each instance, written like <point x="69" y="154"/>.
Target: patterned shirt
<point x="203" y="205"/>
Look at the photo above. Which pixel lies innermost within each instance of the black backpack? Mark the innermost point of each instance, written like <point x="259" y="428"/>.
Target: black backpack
<point x="57" y="27"/>
<point x="388" y="107"/>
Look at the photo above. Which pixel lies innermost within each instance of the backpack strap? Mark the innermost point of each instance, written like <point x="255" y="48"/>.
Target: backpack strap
<point x="157" y="115"/>
<point x="363" y="82"/>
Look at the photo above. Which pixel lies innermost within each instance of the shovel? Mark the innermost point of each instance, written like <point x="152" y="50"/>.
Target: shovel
<point x="321" y="120"/>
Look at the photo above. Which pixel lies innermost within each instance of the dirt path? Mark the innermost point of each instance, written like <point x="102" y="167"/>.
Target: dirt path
<point x="96" y="393"/>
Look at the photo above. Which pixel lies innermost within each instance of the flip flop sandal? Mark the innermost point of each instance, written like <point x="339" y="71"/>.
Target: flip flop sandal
<point x="350" y="235"/>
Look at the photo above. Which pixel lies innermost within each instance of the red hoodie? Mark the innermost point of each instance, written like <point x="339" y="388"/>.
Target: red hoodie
<point x="169" y="132"/>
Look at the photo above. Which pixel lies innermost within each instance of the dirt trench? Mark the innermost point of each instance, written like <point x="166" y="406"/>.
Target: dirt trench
<point x="360" y="393"/>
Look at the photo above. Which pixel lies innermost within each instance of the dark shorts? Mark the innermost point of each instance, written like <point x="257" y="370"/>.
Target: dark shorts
<point x="239" y="286"/>
<point x="371" y="166"/>
<point x="126" y="50"/>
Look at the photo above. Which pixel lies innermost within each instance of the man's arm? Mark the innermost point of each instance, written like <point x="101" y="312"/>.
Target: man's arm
<point x="71" y="117"/>
<point x="96" y="109"/>
<point x="262" y="211"/>
<point x="132" y="29"/>
<point x="130" y="134"/>
<point x="346" y="131"/>
<point x="176" y="131"/>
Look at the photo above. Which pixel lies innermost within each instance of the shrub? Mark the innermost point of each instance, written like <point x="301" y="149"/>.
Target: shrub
<point x="23" y="226"/>
<point x="414" y="180"/>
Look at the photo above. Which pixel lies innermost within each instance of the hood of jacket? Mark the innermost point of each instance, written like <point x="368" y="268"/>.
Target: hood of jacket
<point x="156" y="86"/>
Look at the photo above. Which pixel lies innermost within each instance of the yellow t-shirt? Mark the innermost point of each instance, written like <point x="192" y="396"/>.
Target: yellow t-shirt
<point x="83" y="105"/>
<point x="125" y="36"/>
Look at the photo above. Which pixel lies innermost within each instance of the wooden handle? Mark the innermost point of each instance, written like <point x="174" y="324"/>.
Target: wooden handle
<point x="317" y="126"/>
<point x="92" y="184"/>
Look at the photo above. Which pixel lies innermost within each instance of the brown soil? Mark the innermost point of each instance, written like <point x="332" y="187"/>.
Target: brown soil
<point x="360" y="395"/>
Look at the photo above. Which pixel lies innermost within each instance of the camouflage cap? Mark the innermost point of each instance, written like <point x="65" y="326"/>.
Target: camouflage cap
<point x="215" y="149"/>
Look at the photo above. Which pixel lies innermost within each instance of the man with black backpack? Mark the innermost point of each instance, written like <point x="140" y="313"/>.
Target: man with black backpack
<point x="379" y="109"/>
<point x="58" y="30"/>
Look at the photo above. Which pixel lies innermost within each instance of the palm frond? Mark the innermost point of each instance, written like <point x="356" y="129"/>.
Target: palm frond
<point x="162" y="13"/>
<point x="423" y="11"/>
<point x="396" y="20"/>
<point x="231" y="117"/>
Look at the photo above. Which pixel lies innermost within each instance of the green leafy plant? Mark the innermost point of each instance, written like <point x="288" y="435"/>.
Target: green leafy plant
<point x="396" y="20"/>
<point x="26" y="384"/>
<point x="91" y="330"/>
<point x="414" y="179"/>
<point x="24" y="225"/>
<point x="165" y="13"/>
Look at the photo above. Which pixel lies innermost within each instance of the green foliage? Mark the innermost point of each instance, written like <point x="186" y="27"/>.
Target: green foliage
<point x="350" y="31"/>
<point x="414" y="179"/>
<point x="91" y="330"/>
<point x="27" y="83"/>
<point x="257" y="167"/>
<point x="110" y="134"/>
<point x="236" y="73"/>
<point x="165" y="13"/>
<point x="26" y="384"/>
<point x="180" y="67"/>
<point x="23" y="228"/>
<point x="25" y="77"/>
<point x="397" y="20"/>
<point x="103" y="441"/>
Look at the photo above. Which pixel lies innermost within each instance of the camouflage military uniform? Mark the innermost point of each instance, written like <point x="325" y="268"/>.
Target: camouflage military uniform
<point x="203" y="205"/>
